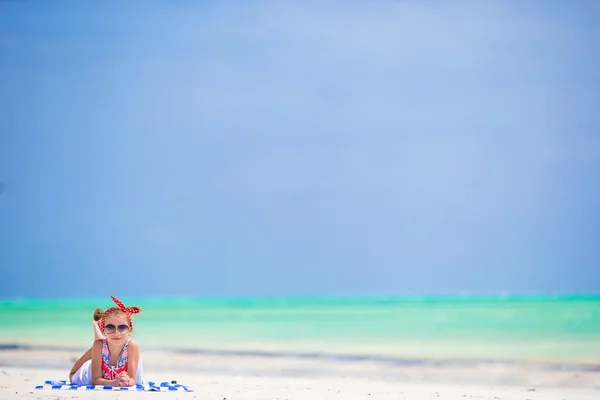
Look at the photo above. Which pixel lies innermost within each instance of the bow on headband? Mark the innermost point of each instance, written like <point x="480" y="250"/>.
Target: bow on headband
<point x="120" y="307"/>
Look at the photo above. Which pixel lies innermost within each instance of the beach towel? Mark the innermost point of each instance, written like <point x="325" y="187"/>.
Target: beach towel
<point x="147" y="387"/>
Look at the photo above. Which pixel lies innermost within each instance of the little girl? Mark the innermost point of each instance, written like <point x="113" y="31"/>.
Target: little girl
<point x="114" y="359"/>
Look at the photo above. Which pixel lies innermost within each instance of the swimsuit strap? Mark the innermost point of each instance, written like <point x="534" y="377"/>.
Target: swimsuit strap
<point x="108" y="371"/>
<point x="123" y="355"/>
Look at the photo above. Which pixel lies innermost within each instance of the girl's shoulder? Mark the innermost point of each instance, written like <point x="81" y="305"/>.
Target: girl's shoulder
<point x="98" y="347"/>
<point x="132" y="344"/>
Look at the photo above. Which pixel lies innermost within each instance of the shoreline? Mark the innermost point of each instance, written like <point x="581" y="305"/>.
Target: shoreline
<point x="40" y="357"/>
<point x="392" y="360"/>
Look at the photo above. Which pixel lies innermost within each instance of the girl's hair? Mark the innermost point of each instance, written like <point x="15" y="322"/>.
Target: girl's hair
<point x="99" y="313"/>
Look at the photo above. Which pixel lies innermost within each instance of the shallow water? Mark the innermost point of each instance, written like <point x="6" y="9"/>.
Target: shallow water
<point x="551" y="329"/>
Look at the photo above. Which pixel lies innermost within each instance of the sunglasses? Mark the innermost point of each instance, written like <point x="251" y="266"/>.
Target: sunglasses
<point x="110" y="328"/>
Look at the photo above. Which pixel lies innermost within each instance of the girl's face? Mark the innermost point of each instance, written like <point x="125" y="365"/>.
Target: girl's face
<point x="116" y="327"/>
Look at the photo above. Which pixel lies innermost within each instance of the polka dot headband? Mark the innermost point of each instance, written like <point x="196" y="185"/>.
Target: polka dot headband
<point x="121" y="308"/>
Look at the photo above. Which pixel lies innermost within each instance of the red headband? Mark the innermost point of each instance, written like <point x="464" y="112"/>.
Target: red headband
<point x="120" y="307"/>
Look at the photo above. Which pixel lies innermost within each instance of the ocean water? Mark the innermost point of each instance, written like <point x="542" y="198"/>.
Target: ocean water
<point x="542" y="329"/>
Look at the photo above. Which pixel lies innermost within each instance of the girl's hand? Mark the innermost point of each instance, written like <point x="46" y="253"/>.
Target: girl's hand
<point x="123" y="379"/>
<point x="123" y="382"/>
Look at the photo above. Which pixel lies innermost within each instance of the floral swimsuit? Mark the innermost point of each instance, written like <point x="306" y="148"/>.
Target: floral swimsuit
<point x="112" y="372"/>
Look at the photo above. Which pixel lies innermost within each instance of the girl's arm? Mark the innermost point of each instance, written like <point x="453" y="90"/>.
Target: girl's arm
<point x="97" y="332"/>
<point x="97" y="378"/>
<point x="133" y="358"/>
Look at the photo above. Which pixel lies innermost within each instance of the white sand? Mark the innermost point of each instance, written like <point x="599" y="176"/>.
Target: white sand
<point x="244" y="377"/>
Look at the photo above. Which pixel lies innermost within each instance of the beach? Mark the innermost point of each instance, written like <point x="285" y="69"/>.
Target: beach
<point x="235" y="376"/>
<point x="403" y="348"/>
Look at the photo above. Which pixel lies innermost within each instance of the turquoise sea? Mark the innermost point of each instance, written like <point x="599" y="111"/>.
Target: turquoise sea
<point x="564" y="329"/>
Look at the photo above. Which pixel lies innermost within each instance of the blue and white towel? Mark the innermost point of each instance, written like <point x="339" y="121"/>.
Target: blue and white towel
<point x="148" y="387"/>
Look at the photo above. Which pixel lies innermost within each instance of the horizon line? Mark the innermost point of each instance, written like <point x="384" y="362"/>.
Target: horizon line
<point x="326" y="298"/>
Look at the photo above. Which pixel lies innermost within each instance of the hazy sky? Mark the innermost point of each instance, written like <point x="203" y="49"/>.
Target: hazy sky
<point x="299" y="148"/>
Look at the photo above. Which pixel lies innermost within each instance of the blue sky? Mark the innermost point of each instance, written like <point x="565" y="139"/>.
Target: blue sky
<point x="304" y="149"/>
